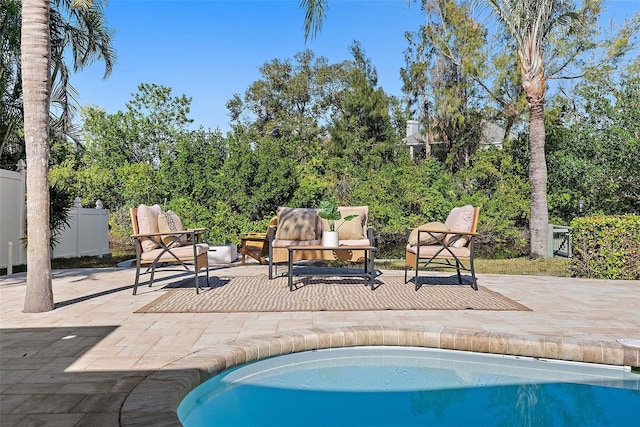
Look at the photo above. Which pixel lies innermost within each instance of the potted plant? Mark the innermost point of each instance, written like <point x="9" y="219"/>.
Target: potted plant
<point x="329" y="211"/>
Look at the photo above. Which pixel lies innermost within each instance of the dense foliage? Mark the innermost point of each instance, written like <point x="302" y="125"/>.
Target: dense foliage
<point x="606" y="247"/>
<point x="234" y="183"/>
<point x="308" y="130"/>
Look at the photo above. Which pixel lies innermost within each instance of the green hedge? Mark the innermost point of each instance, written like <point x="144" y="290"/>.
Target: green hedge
<point x="606" y="247"/>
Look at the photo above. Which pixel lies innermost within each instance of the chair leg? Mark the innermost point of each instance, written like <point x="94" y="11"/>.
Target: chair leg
<point x="135" y="285"/>
<point x="153" y="272"/>
<point x="417" y="269"/>
<point x="474" y="283"/>
<point x="458" y="267"/>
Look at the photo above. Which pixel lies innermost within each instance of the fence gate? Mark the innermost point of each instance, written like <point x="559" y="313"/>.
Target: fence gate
<point x="559" y="241"/>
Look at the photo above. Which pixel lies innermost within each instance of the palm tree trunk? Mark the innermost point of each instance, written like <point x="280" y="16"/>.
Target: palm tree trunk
<point x="35" y="50"/>
<point x="539" y="220"/>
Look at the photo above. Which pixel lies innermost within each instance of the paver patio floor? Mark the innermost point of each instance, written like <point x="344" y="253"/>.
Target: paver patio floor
<point x="78" y="364"/>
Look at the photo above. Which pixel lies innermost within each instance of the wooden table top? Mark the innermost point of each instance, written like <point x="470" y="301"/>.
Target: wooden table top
<point x="328" y="248"/>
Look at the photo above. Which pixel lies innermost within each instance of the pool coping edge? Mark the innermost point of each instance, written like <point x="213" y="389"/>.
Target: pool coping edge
<point x="154" y="401"/>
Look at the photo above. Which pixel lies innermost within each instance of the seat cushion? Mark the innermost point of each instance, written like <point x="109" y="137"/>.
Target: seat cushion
<point x="429" y="251"/>
<point x="297" y="224"/>
<point x="148" y="224"/>
<point x="354" y="242"/>
<point x="170" y="222"/>
<point x="277" y="243"/>
<point x="427" y="238"/>
<point x="459" y="219"/>
<point x="182" y="252"/>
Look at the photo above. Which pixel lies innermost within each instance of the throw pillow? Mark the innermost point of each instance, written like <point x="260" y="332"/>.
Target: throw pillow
<point x="426" y="238"/>
<point x="169" y="222"/>
<point x="296" y="224"/>
<point x="349" y="230"/>
<point x="459" y="219"/>
<point x="148" y="224"/>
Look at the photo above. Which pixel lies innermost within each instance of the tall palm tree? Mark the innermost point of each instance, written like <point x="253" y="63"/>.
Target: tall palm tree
<point x="36" y="68"/>
<point x="529" y="22"/>
<point x="35" y="54"/>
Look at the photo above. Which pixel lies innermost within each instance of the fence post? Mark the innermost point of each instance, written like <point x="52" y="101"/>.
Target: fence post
<point x="22" y="168"/>
<point x="103" y="236"/>
<point x="77" y="204"/>
<point x="10" y="259"/>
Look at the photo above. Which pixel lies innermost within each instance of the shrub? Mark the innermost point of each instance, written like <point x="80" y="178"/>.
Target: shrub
<point x="606" y="247"/>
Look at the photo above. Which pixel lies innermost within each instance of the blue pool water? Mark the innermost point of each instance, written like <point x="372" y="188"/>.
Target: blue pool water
<point x="408" y="386"/>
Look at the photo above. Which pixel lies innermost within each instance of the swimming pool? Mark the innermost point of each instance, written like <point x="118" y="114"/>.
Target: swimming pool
<point x="413" y="386"/>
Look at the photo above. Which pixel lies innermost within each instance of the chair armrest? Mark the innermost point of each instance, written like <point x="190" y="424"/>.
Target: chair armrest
<point x="271" y="234"/>
<point x="193" y="231"/>
<point x="370" y="236"/>
<point x="463" y="233"/>
<point x="254" y="237"/>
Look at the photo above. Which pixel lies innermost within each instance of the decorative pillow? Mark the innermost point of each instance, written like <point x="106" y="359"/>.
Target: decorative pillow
<point x="170" y="222"/>
<point x="459" y="219"/>
<point x="148" y="224"/>
<point x="296" y="224"/>
<point x="426" y="238"/>
<point x="350" y="230"/>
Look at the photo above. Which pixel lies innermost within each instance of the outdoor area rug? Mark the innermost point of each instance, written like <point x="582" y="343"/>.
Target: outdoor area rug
<point x="259" y="294"/>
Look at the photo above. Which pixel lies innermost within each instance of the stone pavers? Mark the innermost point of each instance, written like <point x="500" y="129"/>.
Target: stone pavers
<point x="93" y="361"/>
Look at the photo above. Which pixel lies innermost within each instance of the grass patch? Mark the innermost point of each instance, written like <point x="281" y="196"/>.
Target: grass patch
<point x="80" y="262"/>
<point x="558" y="267"/>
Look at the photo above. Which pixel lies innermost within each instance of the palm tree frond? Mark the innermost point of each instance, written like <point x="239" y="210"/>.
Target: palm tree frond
<point x="314" y="16"/>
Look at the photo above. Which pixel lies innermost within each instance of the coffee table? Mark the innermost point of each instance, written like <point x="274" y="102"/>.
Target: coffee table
<point x="369" y="263"/>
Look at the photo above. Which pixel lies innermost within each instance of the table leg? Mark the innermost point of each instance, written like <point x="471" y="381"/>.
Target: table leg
<point x="290" y="272"/>
<point x="372" y="267"/>
<point x="366" y="261"/>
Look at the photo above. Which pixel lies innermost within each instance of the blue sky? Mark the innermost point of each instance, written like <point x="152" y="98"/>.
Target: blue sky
<point x="211" y="49"/>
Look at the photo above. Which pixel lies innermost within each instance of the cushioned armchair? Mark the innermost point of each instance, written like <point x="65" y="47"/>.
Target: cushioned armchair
<point x="448" y="245"/>
<point x="160" y="239"/>
<point x="303" y="227"/>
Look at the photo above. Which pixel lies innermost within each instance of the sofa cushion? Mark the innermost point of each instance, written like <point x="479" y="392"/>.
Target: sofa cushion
<point x="297" y="224"/>
<point x="428" y="238"/>
<point x="148" y="224"/>
<point x="169" y="222"/>
<point x="459" y="219"/>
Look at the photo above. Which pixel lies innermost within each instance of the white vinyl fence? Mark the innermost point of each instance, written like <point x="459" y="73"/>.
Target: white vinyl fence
<point x="13" y="216"/>
<point x="88" y="234"/>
